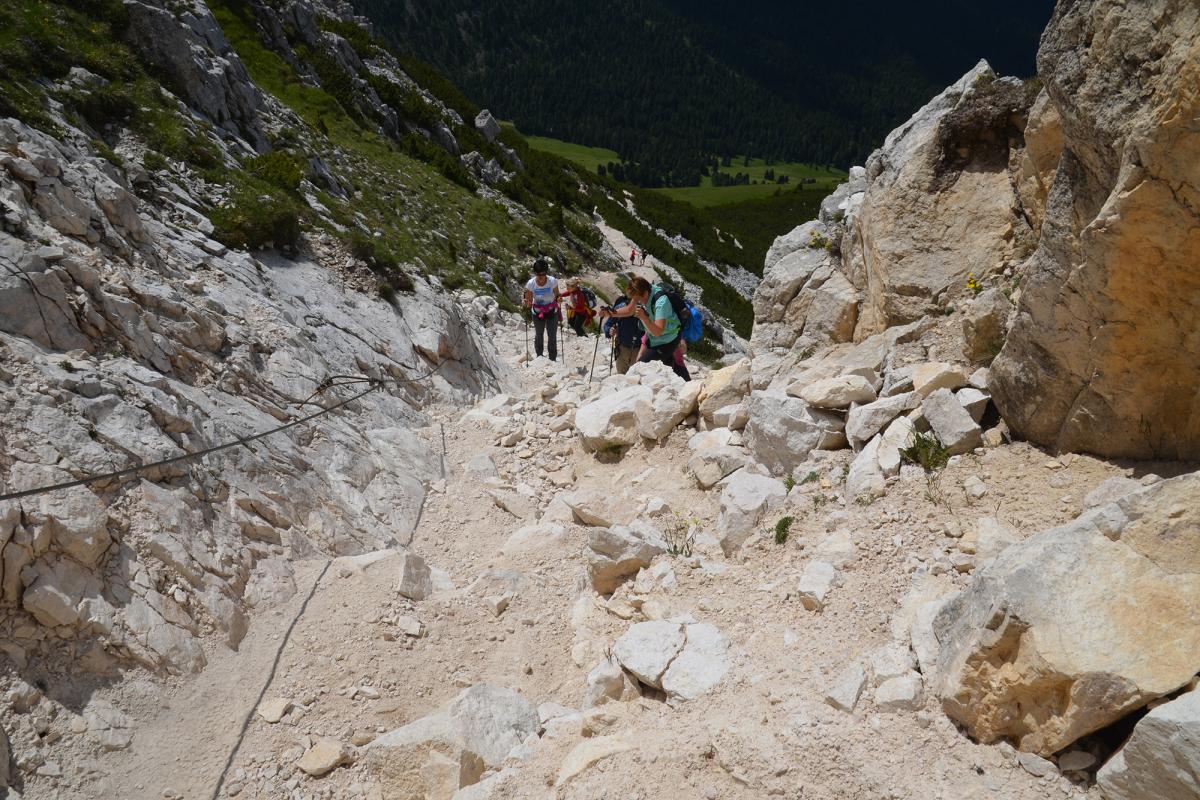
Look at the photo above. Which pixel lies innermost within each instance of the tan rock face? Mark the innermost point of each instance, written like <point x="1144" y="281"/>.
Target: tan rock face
<point x="1104" y="354"/>
<point x="1039" y="162"/>
<point x="1071" y="629"/>
<point x="940" y="203"/>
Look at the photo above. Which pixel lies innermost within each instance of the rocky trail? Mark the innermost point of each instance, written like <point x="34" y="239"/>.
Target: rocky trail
<point x="930" y="533"/>
<point x="786" y="701"/>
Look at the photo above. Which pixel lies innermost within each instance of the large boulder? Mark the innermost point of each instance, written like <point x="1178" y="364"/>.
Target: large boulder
<point x="745" y="499"/>
<point x="985" y="324"/>
<point x="783" y="430"/>
<point x="487" y="125"/>
<point x="724" y="387"/>
<point x="1161" y="760"/>
<point x="953" y="424"/>
<point x="1073" y="628"/>
<point x="617" y="553"/>
<point x="838" y="392"/>
<point x="863" y="422"/>
<point x="671" y="404"/>
<point x="436" y="755"/>
<point x="685" y="659"/>
<point x="939" y="202"/>
<point x="612" y="421"/>
<point x="1103" y="356"/>
<point x="878" y="461"/>
<point x="803" y="301"/>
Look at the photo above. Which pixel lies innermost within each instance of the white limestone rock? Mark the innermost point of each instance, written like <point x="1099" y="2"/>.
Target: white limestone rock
<point x="416" y="581"/>
<point x="619" y="552"/>
<point x="745" y="498"/>
<point x="612" y="421"/>
<point x="954" y="427"/>
<point x="817" y="581"/>
<point x="838" y="392"/>
<point x="846" y="688"/>
<point x="1161" y="760"/>
<point x="900" y="694"/>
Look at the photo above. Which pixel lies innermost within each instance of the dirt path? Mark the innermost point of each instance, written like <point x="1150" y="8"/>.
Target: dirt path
<point x="186" y="731"/>
<point x="352" y="670"/>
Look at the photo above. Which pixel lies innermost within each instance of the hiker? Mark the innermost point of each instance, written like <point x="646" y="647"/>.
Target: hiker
<point x="626" y="335"/>
<point x="541" y="298"/>
<point x="579" y="306"/>
<point x="664" y="332"/>
<point x="680" y="351"/>
<point x="633" y="257"/>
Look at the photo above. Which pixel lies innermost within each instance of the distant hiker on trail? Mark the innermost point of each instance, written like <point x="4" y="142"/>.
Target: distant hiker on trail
<point x="626" y="333"/>
<point x="633" y="257"/>
<point x="541" y="298"/>
<point x="579" y="306"/>
<point x="664" y="331"/>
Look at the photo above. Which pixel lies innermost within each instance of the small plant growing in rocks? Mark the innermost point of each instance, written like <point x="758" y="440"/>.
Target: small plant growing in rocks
<point x="680" y="534"/>
<point x="927" y="451"/>
<point x="973" y="283"/>
<point x="789" y="483"/>
<point x="782" y="529"/>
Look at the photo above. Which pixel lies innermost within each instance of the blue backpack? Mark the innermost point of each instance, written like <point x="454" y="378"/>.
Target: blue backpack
<point x="691" y="319"/>
<point x="693" y="325"/>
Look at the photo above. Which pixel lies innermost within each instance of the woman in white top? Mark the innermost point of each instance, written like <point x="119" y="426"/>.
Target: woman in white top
<point x="541" y="298"/>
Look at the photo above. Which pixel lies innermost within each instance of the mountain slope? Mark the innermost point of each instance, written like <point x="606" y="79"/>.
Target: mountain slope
<point x="669" y="83"/>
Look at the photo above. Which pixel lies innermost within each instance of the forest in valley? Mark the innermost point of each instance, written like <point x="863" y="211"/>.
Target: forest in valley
<point x="671" y="85"/>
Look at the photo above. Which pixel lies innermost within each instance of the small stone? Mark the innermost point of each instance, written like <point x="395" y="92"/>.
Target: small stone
<point x="274" y="710"/>
<point x="324" y="757"/>
<point x="410" y="626"/>
<point x="975" y="488"/>
<point x="1035" y="765"/>
<point x="846" y="688"/>
<point x="819" y="578"/>
<point x="416" y="581"/>
<point x="497" y="604"/>
<point x="899" y="694"/>
<point x="1076" y="760"/>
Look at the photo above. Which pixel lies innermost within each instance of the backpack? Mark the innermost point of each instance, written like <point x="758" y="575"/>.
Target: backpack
<point x="590" y="297"/>
<point x="691" y="325"/>
<point x="693" y="328"/>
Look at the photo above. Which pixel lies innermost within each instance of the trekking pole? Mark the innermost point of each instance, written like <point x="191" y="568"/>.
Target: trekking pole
<point x="525" y="315"/>
<point x="595" y="351"/>
<point x="561" y="341"/>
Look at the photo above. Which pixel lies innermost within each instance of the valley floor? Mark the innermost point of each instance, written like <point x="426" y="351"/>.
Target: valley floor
<point x="338" y="651"/>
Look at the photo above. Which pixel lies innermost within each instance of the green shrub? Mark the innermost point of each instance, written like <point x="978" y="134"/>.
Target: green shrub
<point x="927" y="451"/>
<point x="782" y="529"/>
<point x="105" y="105"/>
<point x="281" y="170"/>
<point x="421" y="148"/>
<point x="353" y="33"/>
<point x="107" y="153"/>
<point x="154" y="161"/>
<point x="338" y="83"/>
<point x="255" y="218"/>
<point x="387" y="292"/>
<point x="705" y="351"/>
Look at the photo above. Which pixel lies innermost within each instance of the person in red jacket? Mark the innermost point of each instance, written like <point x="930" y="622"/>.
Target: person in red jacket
<point x="579" y="309"/>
